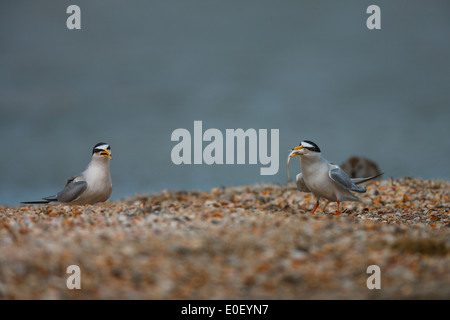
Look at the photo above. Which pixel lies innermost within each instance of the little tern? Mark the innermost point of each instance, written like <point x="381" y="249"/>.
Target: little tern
<point x="91" y="186"/>
<point x="322" y="178"/>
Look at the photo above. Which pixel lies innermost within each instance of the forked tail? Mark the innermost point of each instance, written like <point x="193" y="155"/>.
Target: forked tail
<point x="361" y="180"/>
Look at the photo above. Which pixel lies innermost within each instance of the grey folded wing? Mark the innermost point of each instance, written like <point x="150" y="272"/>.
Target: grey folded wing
<point x="301" y="183"/>
<point x="341" y="178"/>
<point x="72" y="190"/>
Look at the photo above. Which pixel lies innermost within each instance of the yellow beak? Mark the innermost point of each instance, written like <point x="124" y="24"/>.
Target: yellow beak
<point x="293" y="154"/>
<point x="106" y="153"/>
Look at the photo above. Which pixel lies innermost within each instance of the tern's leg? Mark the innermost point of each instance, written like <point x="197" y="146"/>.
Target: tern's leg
<point x="315" y="208"/>
<point x="337" y="211"/>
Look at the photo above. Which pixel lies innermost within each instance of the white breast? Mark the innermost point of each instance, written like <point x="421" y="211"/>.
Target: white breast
<point x="97" y="175"/>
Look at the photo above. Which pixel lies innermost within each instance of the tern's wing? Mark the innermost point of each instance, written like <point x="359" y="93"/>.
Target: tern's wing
<point x="340" y="177"/>
<point x="301" y="183"/>
<point x="72" y="190"/>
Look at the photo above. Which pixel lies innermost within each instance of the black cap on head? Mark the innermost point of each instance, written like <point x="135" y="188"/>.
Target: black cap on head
<point x="307" y="144"/>
<point x="99" y="147"/>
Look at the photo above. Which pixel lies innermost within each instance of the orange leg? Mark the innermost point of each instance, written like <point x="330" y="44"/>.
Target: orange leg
<point x="337" y="211"/>
<point x="315" y="208"/>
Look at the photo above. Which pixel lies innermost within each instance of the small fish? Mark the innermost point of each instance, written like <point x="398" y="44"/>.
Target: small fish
<point x="289" y="163"/>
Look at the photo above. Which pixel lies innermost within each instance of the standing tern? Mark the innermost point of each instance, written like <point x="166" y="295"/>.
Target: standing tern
<point x="322" y="178"/>
<point x="91" y="186"/>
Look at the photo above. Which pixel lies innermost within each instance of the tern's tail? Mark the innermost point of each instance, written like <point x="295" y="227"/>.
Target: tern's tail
<point x="361" y="180"/>
<point x="36" y="202"/>
<point x="43" y="201"/>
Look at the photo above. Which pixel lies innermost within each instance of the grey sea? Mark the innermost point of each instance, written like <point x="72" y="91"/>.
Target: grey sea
<point x="138" y="70"/>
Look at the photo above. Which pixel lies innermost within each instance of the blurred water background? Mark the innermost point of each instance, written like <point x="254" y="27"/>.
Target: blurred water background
<point x="137" y="70"/>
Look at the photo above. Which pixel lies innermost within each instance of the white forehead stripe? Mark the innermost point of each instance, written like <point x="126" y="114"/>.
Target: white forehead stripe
<point x="307" y="145"/>
<point x="102" y="146"/>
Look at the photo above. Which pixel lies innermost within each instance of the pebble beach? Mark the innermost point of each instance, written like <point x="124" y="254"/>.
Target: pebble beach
<point x="245" y="242"/>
